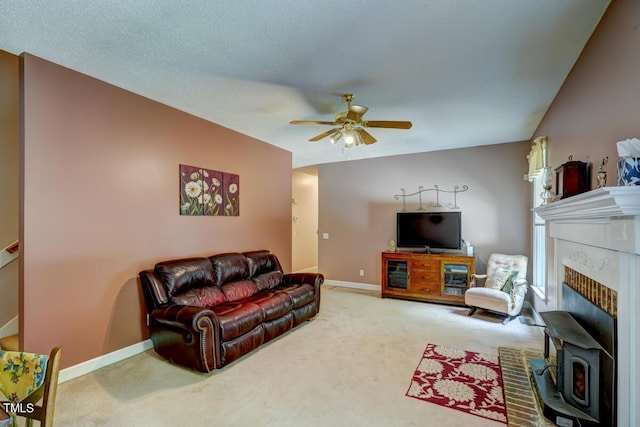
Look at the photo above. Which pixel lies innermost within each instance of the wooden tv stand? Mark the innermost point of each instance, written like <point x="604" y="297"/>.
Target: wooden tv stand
<point x="442" y="278"/>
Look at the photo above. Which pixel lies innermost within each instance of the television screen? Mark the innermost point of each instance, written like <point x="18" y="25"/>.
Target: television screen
<point x="436" y="230"/>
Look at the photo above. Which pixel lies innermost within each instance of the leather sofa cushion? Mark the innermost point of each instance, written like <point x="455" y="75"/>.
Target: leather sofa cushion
<point x="229" y="267"/>
<point x="238" y="290"/>
<point x="303" y="313"/>
<point x="184" y="274"/>
<point x="262" y="262"/>
<point x="234" y="349"/>
<point x="209" y="296"/>
<point x="301" y="294"/>
<point x="273" y="305"/>
<point x="237" y="318"/>
<point x="268" y="280"/>
<point x="277" y="327"/>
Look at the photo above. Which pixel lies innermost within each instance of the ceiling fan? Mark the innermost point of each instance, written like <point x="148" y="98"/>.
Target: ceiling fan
<point x="350" y="125"/>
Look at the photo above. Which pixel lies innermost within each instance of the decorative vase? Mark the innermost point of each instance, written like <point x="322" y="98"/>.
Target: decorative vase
<point x="629" y="171"/>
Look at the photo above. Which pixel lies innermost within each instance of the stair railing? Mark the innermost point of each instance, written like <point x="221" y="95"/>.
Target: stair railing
<point x="10" y="253"/>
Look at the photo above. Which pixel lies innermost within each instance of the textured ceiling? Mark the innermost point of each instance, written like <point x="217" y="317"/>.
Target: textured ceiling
<point x="465" y="72"/>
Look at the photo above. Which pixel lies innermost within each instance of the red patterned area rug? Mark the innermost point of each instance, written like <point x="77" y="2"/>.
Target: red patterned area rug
<point x="463" y="380"/>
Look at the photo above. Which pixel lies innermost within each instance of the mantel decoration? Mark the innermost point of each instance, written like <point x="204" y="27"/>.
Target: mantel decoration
<point x="601" y="177"/>
<point x="629" y="163"/>
<point x="572" y="178"/>
<point x="208" y="192"/>
<point x="435" y="188"/>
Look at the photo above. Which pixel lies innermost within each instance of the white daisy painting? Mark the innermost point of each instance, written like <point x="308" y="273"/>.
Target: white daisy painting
<point x="191" y="189"/>
<point x="208" y="192"/>
<point x="231" y="198"/>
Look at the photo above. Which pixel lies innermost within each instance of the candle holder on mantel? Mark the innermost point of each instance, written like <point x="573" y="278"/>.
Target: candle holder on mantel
<point x="547" y="195"/>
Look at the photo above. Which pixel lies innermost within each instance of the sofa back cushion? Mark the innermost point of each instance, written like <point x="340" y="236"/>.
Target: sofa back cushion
<point x="229" y="267"/>
<point x="209" y="296"/>
<point x="268" y="280"/>
<point x="261" y="262"/>
<point x="239" y="289"/>
<point x="181" y="275"/>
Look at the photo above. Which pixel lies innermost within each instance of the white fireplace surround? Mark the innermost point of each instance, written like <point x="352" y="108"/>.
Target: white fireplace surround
<point x="597" y="234"/>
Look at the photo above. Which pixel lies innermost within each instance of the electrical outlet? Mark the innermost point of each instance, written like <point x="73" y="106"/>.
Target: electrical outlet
<point x="361" y="273"/>
<point x="325" y="236"/>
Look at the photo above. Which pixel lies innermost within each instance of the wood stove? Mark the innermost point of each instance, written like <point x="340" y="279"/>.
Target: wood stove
<point x="575" y="382"/>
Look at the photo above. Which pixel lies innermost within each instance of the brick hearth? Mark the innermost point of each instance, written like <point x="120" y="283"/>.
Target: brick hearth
<point x="522" y="405"/>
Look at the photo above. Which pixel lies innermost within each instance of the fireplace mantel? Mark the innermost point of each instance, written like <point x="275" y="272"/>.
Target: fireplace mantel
<point x="597" y="233"/>
<point x="602" y="203"/>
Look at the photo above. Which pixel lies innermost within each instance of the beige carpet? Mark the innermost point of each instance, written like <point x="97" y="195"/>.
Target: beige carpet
<point x="350" y="366"/>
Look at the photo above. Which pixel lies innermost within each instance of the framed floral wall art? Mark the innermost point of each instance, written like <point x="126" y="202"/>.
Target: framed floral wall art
<point x="231" y="194"/>
<point x="208" y="192"/>
<point x="191" y="187"/>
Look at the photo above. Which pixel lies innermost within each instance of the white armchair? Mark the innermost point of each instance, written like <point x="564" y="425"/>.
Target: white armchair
<point x="505" y="286"/>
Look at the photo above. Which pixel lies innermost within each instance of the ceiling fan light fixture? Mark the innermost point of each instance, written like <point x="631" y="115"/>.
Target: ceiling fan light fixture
<point x="358" y="138"/>
<point x="336" y="137"/>
<point x="349" y="138"/>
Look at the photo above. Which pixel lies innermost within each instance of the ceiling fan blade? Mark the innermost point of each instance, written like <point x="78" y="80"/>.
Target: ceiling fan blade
<point x="311" y="122"/>
<point x="356" y="112"/>
<point x="366" y="136"/>
<point x="324" y="134"/>
<point x="387" y="124"/>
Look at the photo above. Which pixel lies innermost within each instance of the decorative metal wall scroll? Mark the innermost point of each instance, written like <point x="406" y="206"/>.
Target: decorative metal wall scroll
<point x="435" y="188"/>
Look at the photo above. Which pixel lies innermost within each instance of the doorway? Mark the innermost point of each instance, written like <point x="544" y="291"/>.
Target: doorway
<point x="304" y="219"/>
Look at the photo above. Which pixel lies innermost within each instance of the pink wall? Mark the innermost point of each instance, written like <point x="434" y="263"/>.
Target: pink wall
<point x="599" y="103"/>
<point x="100" y="203"/>
<point x="358" y="209"/>
<point x="9" y="201"/>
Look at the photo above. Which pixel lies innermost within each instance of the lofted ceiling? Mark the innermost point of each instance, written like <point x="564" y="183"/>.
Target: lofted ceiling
<point x="465" y="72"/>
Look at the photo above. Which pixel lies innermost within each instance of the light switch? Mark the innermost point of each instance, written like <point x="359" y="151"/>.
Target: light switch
<point x="325" y="236"/>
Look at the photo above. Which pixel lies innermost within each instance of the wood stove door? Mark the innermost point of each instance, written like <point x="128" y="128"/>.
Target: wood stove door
<point x="580" y="377"/>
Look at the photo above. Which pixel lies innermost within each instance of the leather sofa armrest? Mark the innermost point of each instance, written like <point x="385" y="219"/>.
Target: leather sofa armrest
<point x="475" y="277"/>
<point x="187" y="335"/>
<point x="184" y="317"/>
<point x="313" y="279"/>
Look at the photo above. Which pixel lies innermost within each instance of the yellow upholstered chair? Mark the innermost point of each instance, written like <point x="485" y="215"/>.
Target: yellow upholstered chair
<point x="505" y="286"/>
<point x="39" y="404"/>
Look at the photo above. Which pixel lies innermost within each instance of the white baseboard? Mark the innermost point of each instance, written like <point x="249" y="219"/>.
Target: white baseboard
<point x="84" y="368"/>
<point x="12" y="327"/>
<point x="354" y="285"/>
<point x="536" y="315"/>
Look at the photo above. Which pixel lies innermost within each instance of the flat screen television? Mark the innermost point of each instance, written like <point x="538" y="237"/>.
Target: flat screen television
<point x="430" y="230"/>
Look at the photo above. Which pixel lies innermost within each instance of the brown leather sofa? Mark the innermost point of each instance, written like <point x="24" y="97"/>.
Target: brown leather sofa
<point x="204" y="313"/>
